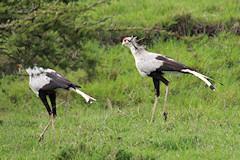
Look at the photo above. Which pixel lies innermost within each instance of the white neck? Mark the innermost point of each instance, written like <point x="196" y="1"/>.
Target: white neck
<point x="133" y="49"/>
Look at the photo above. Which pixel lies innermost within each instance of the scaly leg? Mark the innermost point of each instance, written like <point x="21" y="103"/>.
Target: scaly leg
<point x="154" y="108"/>
<point x="52" y="97"/>
<point x="165" y="102"/>
<point x="51" y="122"/>
<point x="156" y="85"/>
<point x="53" y="128"/>
<point x="156" y="78"/>
<point x="41" y="136"/>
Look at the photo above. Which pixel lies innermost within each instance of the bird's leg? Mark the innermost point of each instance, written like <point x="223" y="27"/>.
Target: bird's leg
<point x="165" y="102"/>
<point x="156" y="85"/>
<point x="161" y="78"/>
<point x="154" y="108"/>
<point x="52" y="120"/>
<point x="43" y="97"/>
<point x="41" y="136"/>
<point x="52" y="97"/>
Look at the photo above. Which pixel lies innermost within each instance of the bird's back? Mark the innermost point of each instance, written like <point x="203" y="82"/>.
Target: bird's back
<point x="48" y="80"/>
<point x="147" y="62"/>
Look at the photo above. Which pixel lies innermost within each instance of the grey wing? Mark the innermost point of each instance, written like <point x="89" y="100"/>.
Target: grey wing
<point x="58" y="81"/>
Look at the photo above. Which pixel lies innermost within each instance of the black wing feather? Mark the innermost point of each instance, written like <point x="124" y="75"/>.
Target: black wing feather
<point x="58" y="81"/>
<point x="171" y="65"/>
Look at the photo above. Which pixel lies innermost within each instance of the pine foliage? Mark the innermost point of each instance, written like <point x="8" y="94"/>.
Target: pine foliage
<point x="47" y="33"/>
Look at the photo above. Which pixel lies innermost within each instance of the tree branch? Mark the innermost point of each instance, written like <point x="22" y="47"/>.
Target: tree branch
<point x="6" y="26"/>
<point x="7" y="54"/>
<point x="25" y="12"/>
<point x="103" y="20"/>
<point x="33" y="9"/>
<point x="13" y="24"/>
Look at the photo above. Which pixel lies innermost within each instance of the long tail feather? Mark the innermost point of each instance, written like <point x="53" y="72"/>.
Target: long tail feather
<point x="212" y="79"/>
<point x="201" y="76"/>
<point x="84" y="95"/>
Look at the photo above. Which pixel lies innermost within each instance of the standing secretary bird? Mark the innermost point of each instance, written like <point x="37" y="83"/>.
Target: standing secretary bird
<point x="45" y="82"/>
<point x="155" y="65"/>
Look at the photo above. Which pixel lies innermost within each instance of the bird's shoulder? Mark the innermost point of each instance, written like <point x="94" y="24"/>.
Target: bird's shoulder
<point x="59" y="79"/>
<point x="54" y="74"/>
<point x="163" y="58"/>
<point x="152" y="57"/>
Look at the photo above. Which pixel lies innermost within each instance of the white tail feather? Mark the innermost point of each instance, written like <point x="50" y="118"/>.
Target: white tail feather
<point x="201" y="76"/>
<point x="84" y="95"/>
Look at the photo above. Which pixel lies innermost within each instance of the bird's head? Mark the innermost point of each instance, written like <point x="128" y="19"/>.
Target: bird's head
<point x="19" y="68"/>
<point x="29" y="68"/>
<point x="129" y="41"/>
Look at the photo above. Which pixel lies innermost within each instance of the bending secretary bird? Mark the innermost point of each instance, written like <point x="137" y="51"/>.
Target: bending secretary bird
<point x="156" y="65"/>
<point x="46" y="82"/>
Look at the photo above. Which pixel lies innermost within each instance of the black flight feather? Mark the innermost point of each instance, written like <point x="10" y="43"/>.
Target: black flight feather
<point x="171" y="65"/>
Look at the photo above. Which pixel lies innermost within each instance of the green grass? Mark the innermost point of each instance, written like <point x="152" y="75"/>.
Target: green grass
<point x="201" y="124"/>
<point x="126" y="13"/>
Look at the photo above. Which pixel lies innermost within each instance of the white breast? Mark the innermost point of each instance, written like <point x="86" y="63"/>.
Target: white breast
<point x="37" y="82"/>
<point x="38" y="79"/>
<point x="147" y="63"/>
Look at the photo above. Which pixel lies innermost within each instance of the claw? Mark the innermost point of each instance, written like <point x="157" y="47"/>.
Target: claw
<point x="41" y="137"/>
<point x="165" y="115"/>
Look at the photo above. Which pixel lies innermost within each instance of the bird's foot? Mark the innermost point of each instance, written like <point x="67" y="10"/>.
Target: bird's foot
<point x="165" y="115"/>
<point x="41" y="137"/>
<point x="152" y="120"/>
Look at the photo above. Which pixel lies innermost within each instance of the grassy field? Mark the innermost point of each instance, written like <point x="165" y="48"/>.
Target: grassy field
<point x="149" y="13"/>
<point x="184" y="17"/>
<point x="201" y="124"/>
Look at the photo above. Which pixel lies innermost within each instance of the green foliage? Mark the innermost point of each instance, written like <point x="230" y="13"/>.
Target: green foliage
<point x="47" y="33"/>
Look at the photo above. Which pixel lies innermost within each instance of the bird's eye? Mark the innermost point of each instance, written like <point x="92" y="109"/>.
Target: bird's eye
<point x="125" y="40"/>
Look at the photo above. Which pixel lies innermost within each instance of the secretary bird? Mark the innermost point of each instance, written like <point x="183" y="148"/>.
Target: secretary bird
<point x="46" y="82"/>
<point x="155" y="65"/>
